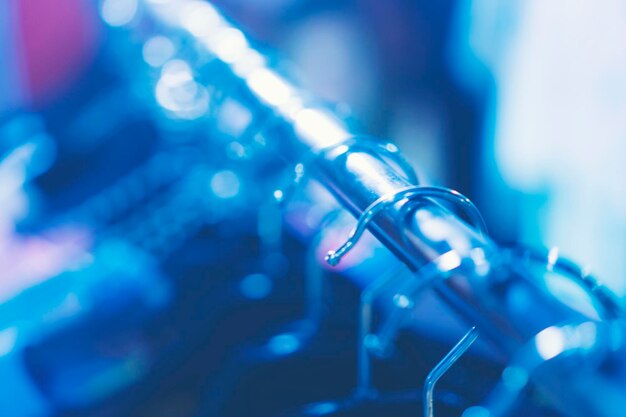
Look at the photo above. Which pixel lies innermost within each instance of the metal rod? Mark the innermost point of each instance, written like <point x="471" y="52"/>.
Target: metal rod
<point x="510" y="310"/>
<point x="358" y="178"/>
<point x="442" y="367"/>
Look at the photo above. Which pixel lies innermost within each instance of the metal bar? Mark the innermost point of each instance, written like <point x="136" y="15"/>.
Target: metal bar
<point x="442" y="367"/>
<point x="510" y="306"/>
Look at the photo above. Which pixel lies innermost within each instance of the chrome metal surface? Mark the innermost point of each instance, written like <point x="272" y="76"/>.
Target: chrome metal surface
<point x="510" y="303"/>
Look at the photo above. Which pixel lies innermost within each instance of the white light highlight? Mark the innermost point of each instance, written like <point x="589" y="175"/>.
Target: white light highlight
<point x="8" y="338"/>
<point x="228" y="44"/>
<point x="402" y="301"/>
<point x="550" y="343"/>
<point x="278" y="195"/>
<point x="448" y="261"/>
<point x="320" y="128"/>
<point x="158" y="50"/>
<point x="433" y="227"/>
<point x="177" y="91"/>
<point x="248" y="62"/>
<point x="553" y="341"/>
<point x="118" y="12"/>
<point x="200" y="18"/>
<point x="270" y="87"/>
<point x="553" y="257"/>
<point x="233" y="118"/>
<point x="225" y="184"/>
<point x="482" y="266"/>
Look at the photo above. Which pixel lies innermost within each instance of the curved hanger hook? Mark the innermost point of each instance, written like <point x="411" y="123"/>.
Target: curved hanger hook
<point x="410" y="193"/>
<point x="442" y="367"/>
<point x="553" y="262"/>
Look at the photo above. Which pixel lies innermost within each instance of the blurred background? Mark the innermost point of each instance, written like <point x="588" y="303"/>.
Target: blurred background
<point x="520" y="105"/>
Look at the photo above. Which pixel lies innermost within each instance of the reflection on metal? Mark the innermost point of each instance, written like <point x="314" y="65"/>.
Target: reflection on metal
<point x="513" y="302"/>
<point x="409" y="193"/>
<point x="442" y="367"/>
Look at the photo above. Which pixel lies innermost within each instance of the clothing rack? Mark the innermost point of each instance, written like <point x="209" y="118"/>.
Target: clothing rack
<point x="554" y="324"/>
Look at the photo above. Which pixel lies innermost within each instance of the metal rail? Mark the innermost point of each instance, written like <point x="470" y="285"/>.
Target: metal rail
<point x="510" y="302"/>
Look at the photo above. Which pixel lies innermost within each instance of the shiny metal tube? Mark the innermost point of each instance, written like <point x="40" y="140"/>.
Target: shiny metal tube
<point x="510" y="303"/>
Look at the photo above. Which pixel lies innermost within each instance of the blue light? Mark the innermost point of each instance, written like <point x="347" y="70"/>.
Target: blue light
<point x="402" y="301"/>
<point x="284" y="344"/>
<point x="514" y="378"/>
<point x="476" y="412"/>
<point x="322" y="408"/>
<point x="256" y="286"/>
